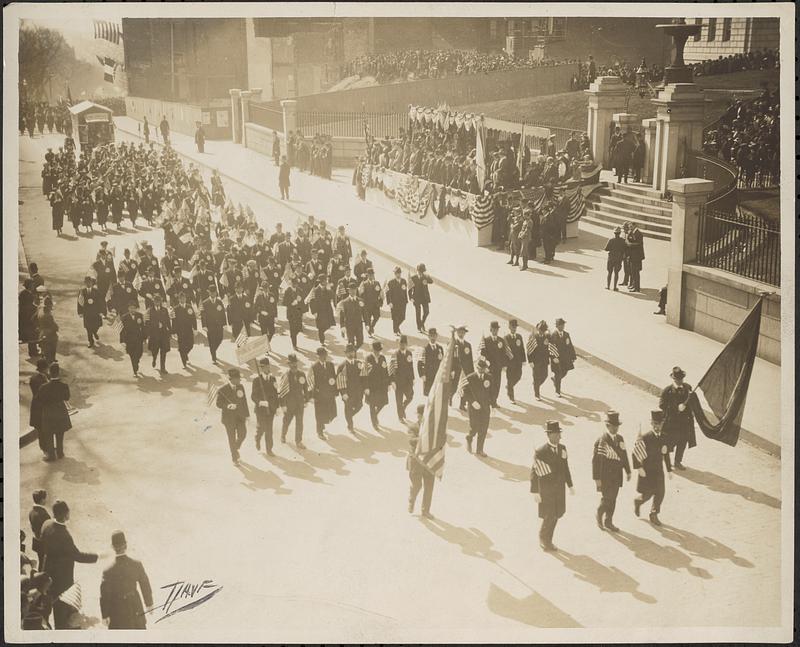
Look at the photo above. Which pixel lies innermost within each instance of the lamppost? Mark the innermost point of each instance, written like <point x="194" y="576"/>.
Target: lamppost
<point x="642" y="85"/>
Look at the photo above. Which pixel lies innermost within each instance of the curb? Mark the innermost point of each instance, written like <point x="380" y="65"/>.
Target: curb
<point x="745" y="435"/>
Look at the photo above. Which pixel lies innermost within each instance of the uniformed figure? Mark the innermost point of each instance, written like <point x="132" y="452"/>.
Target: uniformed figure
<point x="350" y="384"/>
<point x="376" y="383"/>
<point x="213" y="319"/>
<point x="397" y="298"/>
<point x="562" y="354"/>
<point x="538" y="354"/>
<point x="495" y="351"/>
<point x="322" y="389"/>
<point x="293" y="301"/>
<point x="463" y="362"/>
<point x="159" y="330"/>
<point x="650" y="455"/>
<point x="264" y="394"/>
<point x="514" y="367"/>
<point x="550" y="476"/>
<point x="678" y="419"/>
<point x="420" y="295"/>
<point x="351" y="323"/>
<point x="184" y="323"/>
<point x="133" y="335"/>
<point x="401" y="373"/>
<point x="420" y="476"/>
<point x="235" y="412"/>
<point x="320" y="302"/>
<point x="477" y="394"/>
<point x="89" y="308"/>
<point x="428" y="361"/>
<point x="371" y="297"/>
<point x="293" y="393"/>
<point x="609" y="460"/>
<point x="120" y="602"/>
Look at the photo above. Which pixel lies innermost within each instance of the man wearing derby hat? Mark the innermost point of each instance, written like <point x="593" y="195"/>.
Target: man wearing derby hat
<point x="494" y="350"/>
<point x="89" y="308"/>
<point x="463" y="362"/>
<point x="616" y="248"/>
<point x="537" y="350"/>
<point x="322" y="389"/>
<point x="397" y="298"/>
<point x="514" y="367"/>
<point x="233" y="403"/>
<point x="401" y="373"/>
<point x="350" y="314"/>
<point x="678" y="419"/>
<point x="476" y="389"/>
<point x="550" y="476"/>
<point x="649" y="452"/>
<point x="376" y="383"/>
<point x="350" y="384"/>
<point x="293" y="394"/>
<point x="609" y="460"/>
<point x="428" y="361"/>
<point x="159" y="331"/>
<point x="371" y="295"/>
<point x="562" y="354"/>
<point x="264" y="394"/>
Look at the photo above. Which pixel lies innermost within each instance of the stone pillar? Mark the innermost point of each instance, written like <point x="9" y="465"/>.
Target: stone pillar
<point x="606" y="96"/>
<point x="289" y="115"/>
<point x="626" y="121"/>
<point x="236" y="115"/>
<point x="679" y="130"/>
<point x="649" y="139"/>
<point x="246" y="97"/>
<point x="689" y="196"/>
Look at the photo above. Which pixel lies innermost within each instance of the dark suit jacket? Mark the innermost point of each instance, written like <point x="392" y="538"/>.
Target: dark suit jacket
<point x="119" y="600"/>
<point x="37" y="516"/>
<point x="61" y="553"/>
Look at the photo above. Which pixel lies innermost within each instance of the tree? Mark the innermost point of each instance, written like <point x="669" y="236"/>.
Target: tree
<point x="44" y="54"/>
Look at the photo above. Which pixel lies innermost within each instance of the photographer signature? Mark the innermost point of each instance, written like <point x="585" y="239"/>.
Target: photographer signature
<point x="186" y="593"/>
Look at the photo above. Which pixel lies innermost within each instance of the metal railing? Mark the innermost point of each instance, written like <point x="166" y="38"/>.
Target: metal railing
<point x="351" y="124"/>
<point x="725" y="197"/>
<point x="739" y="243"/>
<point x="265" y="116"/>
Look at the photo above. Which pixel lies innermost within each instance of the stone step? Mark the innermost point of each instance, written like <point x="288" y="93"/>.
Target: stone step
<point x="615" y="220"/>
<point x="632" y="196"/>
<point x="634" y="213"/>
<point x="644" y="190"/>
<point x="617" y="200"/>
<point x="589" y="219"/>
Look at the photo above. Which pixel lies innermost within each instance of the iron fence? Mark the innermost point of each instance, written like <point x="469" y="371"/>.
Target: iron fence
<point x="740" y="243"/>
<point x="351" y="124"/>
<point x="266" y="116"/>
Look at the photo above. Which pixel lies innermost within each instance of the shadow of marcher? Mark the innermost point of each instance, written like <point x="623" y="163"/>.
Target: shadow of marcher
<point x="472" y="541"/>
<point x="508" y="471"/>
<point x="667" y="557"/>
<point x="75" y="470"/>
<point x="719" y="483"/>
<point x="607" y="579"/>
<point x="260" y="480"/>
<point x="704" y="547"/>
<point x="534" y="610"/>
<point x="297" y="469"/>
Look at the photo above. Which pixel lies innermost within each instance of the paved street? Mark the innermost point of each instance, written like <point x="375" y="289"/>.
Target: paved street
<point x="324" y="535"/>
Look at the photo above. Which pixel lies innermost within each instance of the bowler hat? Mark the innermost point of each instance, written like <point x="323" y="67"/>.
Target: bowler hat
<point x="657" y="415"/>
<point x="322" y="351"/>
<point x="233" y="372"/>
<point x="513" y="322"/>
<point x="403" y="339"/>
<point x="291" y="358"/>
<point x="552" y="427"/>
<point x="494" y="325"/>
<point x="560" y="321"/>
<point x="118" y="539"/>
<point x="678" y="372"/>
<point x="264" y="361"/>
<point x="376" y="345"/>
<point x="481" y="363"/>
<point x="612" y="418"/>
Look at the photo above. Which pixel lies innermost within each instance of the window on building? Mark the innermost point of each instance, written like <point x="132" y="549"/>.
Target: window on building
<point x="712" y="29"/>
<point x="698" y="21"/>
<point x="726" y="28"/>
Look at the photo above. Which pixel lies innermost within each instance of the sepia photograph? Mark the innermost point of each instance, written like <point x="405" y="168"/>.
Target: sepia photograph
<point x="374" y="323"/>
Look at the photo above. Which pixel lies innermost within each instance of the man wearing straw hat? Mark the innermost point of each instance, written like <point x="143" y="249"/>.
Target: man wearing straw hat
<point x="550" y="476"/>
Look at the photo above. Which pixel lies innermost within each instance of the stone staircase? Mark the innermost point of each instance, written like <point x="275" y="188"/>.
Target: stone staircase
<point x="612" y="204"/>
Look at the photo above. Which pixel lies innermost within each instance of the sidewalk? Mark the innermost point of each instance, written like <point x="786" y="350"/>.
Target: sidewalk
<point x="614" y="330"/>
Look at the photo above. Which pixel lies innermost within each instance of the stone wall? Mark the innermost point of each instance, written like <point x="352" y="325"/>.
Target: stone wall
<point x="714" y="303"/>
<point x="182" y="117"/>
<point x="345" y="149"/>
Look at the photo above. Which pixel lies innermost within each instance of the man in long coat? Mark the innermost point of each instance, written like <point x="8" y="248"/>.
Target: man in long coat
<point x="550" y="476"/>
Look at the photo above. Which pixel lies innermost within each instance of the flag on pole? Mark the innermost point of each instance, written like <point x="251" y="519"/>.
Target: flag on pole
<point x="211" y="395"/>
<point x="433" y="430"/>
<point x="724" y="385"/>
<point x="72" y="596"/>
<point x="137" y="282"/>
<point x="283" y="386"/>
<point x="109" y="65"/>
<point x="105" y="30"/>
<point x="480" y="156"/>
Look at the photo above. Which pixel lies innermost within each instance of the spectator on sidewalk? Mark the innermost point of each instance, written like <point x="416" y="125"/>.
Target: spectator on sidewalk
<point x="36" y="517"/>
<point x="145" y="128"/>
<point x="635" y="244"/>
<point x="55" y="422"/>
<point x="39" y="378"/>
<point x="276" y="148"/>
<point x="164" y="127"/>
<point x="283" y="178"/>
<point x="27" y="324"/>
<point x="200" y="138"/>
<point x="616" y="249"/>
<point x="120" y="601"/>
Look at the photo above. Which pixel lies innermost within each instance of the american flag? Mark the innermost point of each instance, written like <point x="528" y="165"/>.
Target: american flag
<point x="110" y="31"/>
<point x="540" y="468"/>
<point x="211" y="396"/>
<point x="283" y="387"/>
<point x="532" y="343"/>
<point x="72" y="596"/>
<point x="341" y="379"/>
<point x="640" y="450"/>
<point x="609" y="452"/>
<point x="509" y="352"/>
<point x="171" y="312"/>
<point x="242" y="338"/>
<point x="433" y="430"/>
<point x="109" y="66"/>
<point x="137" y="282"/>
<point x="553" y="350"/>
<point x="364" y="368"/>
<point x="393" y="366"/>
<point x="81" y="298"/>
<point x="463" y="382"/>
<point x="310" y="379"/>
<point x="116" y="324"/>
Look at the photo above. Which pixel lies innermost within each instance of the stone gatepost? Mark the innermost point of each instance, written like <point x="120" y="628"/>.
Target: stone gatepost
<point x="649" y="139"/>
<point x="246" y="97"/>
<point x="689" y="197"/>
<point x="606" y="97"/>
<point x="236" y="115"/>
<point x="627" y="122"/>
<point x="289" y="115"/>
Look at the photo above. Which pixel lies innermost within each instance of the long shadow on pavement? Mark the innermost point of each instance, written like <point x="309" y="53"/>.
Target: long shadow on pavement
<point x="607" y="579"/>
<point x="508" y="471"/>
<point x="534" y="610"/>
<point x="472" y="541"/>
<point x="719" y="483"/>
<point x="260" y="480"/>
<point x="704" y="547"/>
<point x="651" y="552"/>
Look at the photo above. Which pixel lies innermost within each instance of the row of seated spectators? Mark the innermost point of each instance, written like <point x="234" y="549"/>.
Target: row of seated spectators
<point x="748" y="136"/>
<point x="762" y="59"/>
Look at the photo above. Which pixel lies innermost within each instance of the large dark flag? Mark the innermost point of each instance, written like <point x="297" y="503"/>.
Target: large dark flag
<point x="433" y="429"/>
<point x="724" y="385"/>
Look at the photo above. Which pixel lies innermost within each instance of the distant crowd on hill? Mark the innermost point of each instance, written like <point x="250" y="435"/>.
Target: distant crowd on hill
<point x="763" y="59"/>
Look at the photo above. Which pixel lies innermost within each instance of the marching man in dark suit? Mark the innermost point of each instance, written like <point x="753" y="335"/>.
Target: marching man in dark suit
<point x="401" y="373"/>
<point x="293" y="394"/>
<point x="351" y="323"/>
<point x="496" y="352"/>
<point x="52" y="397"/>
<point x="376" y="383"/>
<point x="159" y="330"/>
<point x="133" y="335"/>
<point x="538" y="352"/>
<point x="233" y="403"/>
<point x="650" y="455"/>
<point x="514" y="367"/>
<point x="463" y="362"/>
<point x="90" y="308"/>
<point x="397" y="298"/>
<point x="477" y="394"/>
<point x="609" y="460"/>
<point x="264" y="395"/>
<point x="428" y="361"/>
<point x="295" y="306"/>
<point x="550" y="476"/>
<point x="420" y="295"/>
<point x="322" y="389"/>
<point x="371" y="296"/>
<point x="562" y="354"/>
<point x="420" y="476"/>
<point x="213" y="319"/>
<point x="184" y="323"/>
<point x="120" y="602"/>
<point x="350" y="384"/>
<point x="678" y="419"/>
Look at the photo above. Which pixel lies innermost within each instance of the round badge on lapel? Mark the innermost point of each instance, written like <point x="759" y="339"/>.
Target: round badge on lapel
<point x="91" y="301"/>
<point x="219" y="308"/>
<point x="377" y="288"/>
<point x="622" y="445"/>
<point x="246" y="304"/>
<point x="239" y="393"/>
<point x="160" y="325"/>
<point x="486" y="384"/>
<point x="108" y="270"/>
<point x="467" y="350"/>
<point x="331" y="381"/>
<point x="301" y="379"/>
<point x="272" y="300"/>
<point x="499" y="344"/>
<point x="408" y="355"/>
<point x="264" y="313"/>
<point x="519" y="342"/>
<point x="127" y="290"/>
<point x="139" y="320"/>
<point x="190" y="311"/>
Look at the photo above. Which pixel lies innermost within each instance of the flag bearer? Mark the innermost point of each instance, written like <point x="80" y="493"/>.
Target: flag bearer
<point x="649" y="451"/>
<point x="609" y="460"/>
<point x="550" y="476"/>
<point x="421" y="477"/>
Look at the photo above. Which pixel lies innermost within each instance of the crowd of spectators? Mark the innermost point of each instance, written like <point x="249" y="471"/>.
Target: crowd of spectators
<point x="762" y="59"/>
<point x="748" y="136"/>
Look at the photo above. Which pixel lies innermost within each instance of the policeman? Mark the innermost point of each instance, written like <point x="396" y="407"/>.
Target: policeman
<point x="89" y="308"/>
<point x="401" y="373"/>
<point x="514" y="367"/>
<point x="371" y="297"/>
<point x="462" y="361"/>
<point x="562" y="354"/>
<point x="349" y="383"/>
<point x="376" y="382"/>
<point x="397" y="298"/>
<point x="428" y="361"/>
<point x="133" y="334"/>
<point x="293" y="394"/>
<point x="351" y="322"/>
<point x="538" y="353"/>
<point x="264" y="394"/>
<point x="293" y="301"/>
<point x="420" y="476"/>
<point x="213" y="320"/>
<point x="159" y="330"/>
<point x="649" y="452"/>
<point x="609" y="460"/>
<point x="233" y="403"/>
<point x="322" y="389"/>
<point x="678" y="418"/>
<point x="477" y="395"/>
<point x="184" y="323"/>
<point x="496" y="352"/>
<point x="550" y="476"/>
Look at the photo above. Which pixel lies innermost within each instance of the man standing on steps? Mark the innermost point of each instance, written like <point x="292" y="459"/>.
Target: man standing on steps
<point x="514" y="367"/>
<point x="401" y="373"/>
<point x="322" y="389"/>
<point x="649" y="452"/>
<point x="283" y="178"/>
<point x="609" y="459"/>
<point x="550" y="476"/>
<point x="562" y="354"/>
<point x="233" y="403"/>
<point x="678" y="419"/>
<point x="616" y="249"/>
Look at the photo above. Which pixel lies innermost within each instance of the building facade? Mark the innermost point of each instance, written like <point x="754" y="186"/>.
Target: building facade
<point x="728" y="36"/>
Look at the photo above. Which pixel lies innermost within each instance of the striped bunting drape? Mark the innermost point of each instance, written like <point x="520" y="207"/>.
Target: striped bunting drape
<point x="483" y="211"/>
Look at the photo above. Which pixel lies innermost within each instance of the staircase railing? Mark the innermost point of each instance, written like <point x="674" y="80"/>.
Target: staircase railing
<point x="725" y="197"/>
